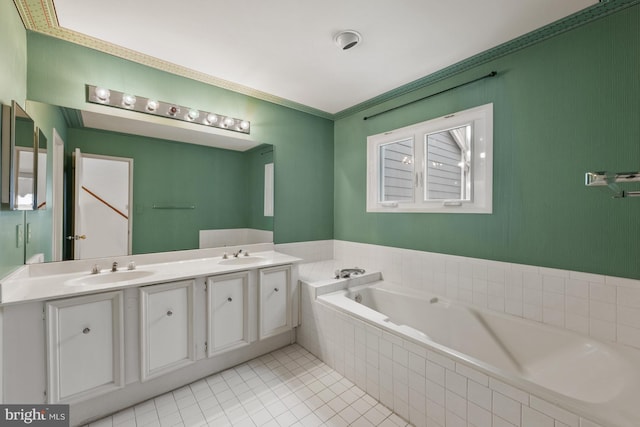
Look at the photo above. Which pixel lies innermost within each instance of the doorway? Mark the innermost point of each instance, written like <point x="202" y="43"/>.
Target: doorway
<point x="103" y="197"/>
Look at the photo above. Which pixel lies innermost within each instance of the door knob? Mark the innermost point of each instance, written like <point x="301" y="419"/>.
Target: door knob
<point x="76" y="237"/>
<point x="86" y="331"/>
<point x="169" y="313"/>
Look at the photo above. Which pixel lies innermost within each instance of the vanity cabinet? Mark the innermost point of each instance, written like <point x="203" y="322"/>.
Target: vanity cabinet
<point x="85" y="346"/>
<point x="227" y="312"/>
<point x="274" y="301"/>
<point x="166" y="328"/>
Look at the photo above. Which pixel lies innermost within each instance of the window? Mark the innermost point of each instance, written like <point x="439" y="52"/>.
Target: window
<point x="441" y="165"/>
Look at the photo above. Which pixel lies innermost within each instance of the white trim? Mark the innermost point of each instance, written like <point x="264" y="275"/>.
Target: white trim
<point x="57" y="199"/>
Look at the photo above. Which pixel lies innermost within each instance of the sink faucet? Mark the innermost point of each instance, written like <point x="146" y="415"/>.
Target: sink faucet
<point x="235" y="254"/>
<point x="114" y="267"/>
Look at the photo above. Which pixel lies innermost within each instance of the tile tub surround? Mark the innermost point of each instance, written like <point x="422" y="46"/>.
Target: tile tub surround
<point x="604" y="307"/>
<point x="422" y="384"/>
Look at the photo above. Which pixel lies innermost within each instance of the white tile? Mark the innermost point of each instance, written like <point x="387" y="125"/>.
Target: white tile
<point x="479" y="394"/>
<point x="507" y="408"/>
<point x="629" y="297"/>
<point x="628" y="316"/>
<point x="577" y="288"/>
<point x="628" y="335"/>
<point x="456" y="383"/>
<point x="456" y="404"/>
<point x="554" y="412"/>
<point x="602" y="311"/>
<point x="601" y="329"/>
<point x="477" y="416"/>
<point x="533" y="418"/>
<point x="604" y="293"/>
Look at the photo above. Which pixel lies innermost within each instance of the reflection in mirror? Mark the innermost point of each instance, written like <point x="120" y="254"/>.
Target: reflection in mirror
<point x="186" y="196"/>
<point x="41" y="167"/>
<point x="18" y="158"/>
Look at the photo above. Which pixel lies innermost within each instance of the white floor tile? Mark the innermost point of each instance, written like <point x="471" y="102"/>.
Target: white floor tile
<point x="286" y="388"/>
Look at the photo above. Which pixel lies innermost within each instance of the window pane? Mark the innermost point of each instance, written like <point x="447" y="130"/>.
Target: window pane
<point x="448" y="164"/>
<point x="396" y="167"/>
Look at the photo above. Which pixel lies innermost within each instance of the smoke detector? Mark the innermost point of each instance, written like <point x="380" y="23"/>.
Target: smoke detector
<point x="347" y="39"/>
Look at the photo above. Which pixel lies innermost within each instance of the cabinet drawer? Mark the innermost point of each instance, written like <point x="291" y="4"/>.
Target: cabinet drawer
<point x="85" y="346"/>
<point x="166" y="327"/>
<point x="227" y="309"/>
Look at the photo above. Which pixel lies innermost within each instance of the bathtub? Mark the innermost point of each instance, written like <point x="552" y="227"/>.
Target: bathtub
<point x="590" y="378"/>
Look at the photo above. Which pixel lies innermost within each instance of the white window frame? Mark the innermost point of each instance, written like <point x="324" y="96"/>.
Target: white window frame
<point x="481" y="201"/>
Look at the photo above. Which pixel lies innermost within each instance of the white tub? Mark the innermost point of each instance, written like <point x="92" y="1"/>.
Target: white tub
<point x="597" y="380"/>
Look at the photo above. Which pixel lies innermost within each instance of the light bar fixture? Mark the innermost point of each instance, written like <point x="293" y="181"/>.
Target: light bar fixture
<point x="140" y="104"/>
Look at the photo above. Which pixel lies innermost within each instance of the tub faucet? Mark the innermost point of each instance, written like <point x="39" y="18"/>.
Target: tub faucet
<point x="345" y="273"/>
<point x="114" y="267"/>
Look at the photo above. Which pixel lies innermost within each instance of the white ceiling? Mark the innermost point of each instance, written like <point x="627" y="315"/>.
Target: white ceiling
<point x="285" y="47"/>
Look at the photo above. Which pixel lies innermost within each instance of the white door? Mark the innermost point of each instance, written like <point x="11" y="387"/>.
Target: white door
<point x="102" y="202"/>
<point x="274" y="300"/>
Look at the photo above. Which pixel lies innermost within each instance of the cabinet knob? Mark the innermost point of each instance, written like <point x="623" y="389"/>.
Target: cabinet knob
<point x="229" y="299"/>
<point x="169" y="313"/>
<point x="276" y="289"/>
<point x="86" y="331"/>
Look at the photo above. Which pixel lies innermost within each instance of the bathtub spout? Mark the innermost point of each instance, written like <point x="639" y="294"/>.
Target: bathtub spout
<point x="345" y="273"/>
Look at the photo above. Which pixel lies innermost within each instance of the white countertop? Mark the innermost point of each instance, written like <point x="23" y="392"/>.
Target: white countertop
<point x="20" y="287"/>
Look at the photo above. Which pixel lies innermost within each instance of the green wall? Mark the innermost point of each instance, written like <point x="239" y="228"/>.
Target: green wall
<point x="58" y="71"/>
<point x="13" y="86"/>
<point x="562" y="107"/>
<point x="168" y="173"/>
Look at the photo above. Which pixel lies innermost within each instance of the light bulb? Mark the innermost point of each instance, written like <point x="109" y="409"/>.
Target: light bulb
<point x="192" y="115"/>
<point x="229" y="122"/>
<point x="244" y="125"/>
<point x="212" y="118"/>
<point x="173" y="110"/>
<point x="102" y="94"/>
<point x="128" y="101"/>
<point x="152" y="105"/>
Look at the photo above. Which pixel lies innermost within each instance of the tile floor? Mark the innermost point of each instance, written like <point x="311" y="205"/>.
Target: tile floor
<point x="288" y="387"/>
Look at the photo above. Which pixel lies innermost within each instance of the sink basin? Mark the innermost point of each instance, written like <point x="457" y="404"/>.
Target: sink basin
<point x="241" y="260"/>
<point x="108" y="277"/>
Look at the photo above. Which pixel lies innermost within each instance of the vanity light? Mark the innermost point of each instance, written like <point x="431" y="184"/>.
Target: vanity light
<point x="152" y="105"/>
<point x="228" y="122"/>
<point x="102" y="94"/>
<point x="211" y="119"/>
<point x="128" y="101"/>
<point x="116" y="99"/>
<point x="192" y="115"/>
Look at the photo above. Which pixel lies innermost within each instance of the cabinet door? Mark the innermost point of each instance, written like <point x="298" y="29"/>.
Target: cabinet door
<point x="166" y="322"/>
<point x="85" y="346"/>
<point x="228" y="308"/>
<point x="274" y="300"/>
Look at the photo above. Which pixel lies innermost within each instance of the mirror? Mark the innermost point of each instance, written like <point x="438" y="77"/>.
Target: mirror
<point x="182" y="193"/>
<point x="41" y="168"/>
<point x="19" y="158"/>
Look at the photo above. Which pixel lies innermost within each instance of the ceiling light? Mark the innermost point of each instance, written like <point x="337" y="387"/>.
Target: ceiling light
<point x="140" y="104"/>
<point x="347" y="39"/>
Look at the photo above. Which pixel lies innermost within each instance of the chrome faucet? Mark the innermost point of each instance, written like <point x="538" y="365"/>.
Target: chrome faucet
<point x="345" y="273"/>
<point x="236" y="254"/>
<point x="114" y="267"/>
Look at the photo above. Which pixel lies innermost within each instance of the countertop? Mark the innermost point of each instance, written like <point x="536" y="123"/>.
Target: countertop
<point x="21" y="287"/>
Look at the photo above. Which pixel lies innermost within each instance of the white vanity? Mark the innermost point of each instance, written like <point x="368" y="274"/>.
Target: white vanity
<point x="103" y="342"/>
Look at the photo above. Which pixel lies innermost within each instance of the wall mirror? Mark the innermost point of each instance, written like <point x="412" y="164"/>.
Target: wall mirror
<point x="19" y="159"/>
<point x="178" y="189"/>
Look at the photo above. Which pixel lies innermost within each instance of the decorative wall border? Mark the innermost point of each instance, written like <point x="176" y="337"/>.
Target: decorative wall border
<point x="40" y="16"/>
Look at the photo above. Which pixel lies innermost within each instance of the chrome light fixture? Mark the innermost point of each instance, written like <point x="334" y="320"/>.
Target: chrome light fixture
<point x="140" y="104"/>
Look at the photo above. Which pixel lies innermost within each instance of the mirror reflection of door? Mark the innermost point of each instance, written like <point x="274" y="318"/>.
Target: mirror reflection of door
<point x="102" y="200"/>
